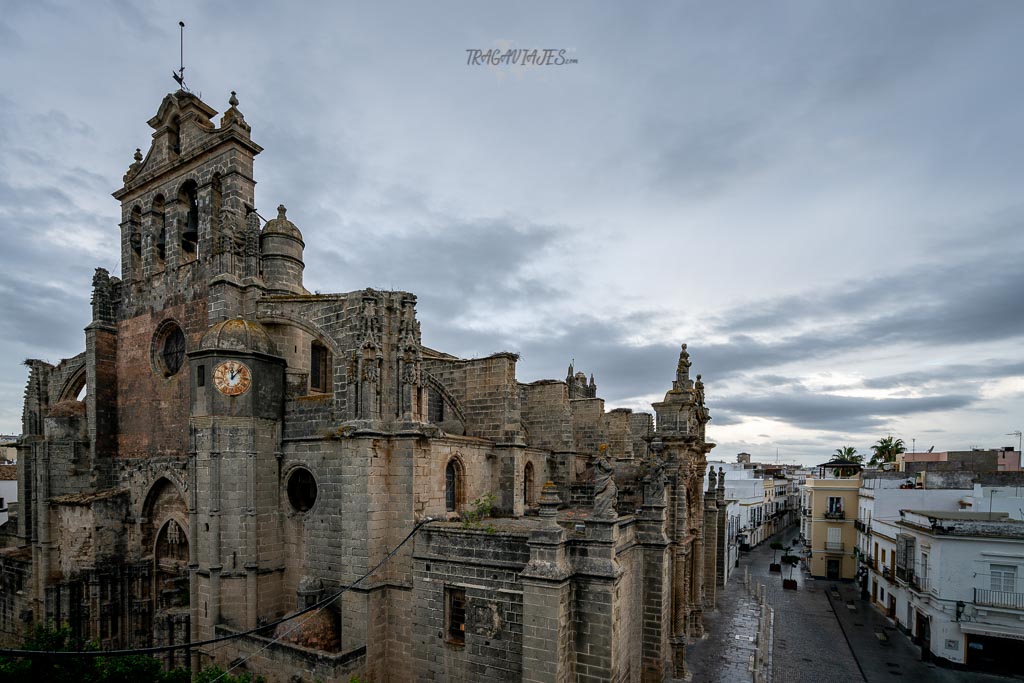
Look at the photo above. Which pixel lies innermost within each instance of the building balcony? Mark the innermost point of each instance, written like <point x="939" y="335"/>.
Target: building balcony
<point x="834" y="547"/>
<point x="868" y="560"/>
<point x="887" y="573"/>
<point x="921" y="584"/>
<point x="1002" y="599"/>
<point x="835" y="514"/>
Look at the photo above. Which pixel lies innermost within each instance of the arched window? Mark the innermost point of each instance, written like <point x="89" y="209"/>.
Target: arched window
<point x="529" y="495"/>
<point x="453" y="485"/>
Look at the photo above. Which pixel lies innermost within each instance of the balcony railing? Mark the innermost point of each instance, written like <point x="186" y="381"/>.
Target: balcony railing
<point x="835" y="514"/>
<point x="869" y="561"/>
<point x="921" y="584"/>
<point x="1002" y="599"/>
<point x="834" y="546"/>
<point x="887" y="573"/>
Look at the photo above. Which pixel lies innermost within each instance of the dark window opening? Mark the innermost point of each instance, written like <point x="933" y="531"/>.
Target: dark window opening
<point x="455" y="609"/>
<point x="173" y="352"/>
<point x="452" y="486"/>
<point x="188" y="198"/>
<point x="175" y="136"/>
<point x="302" y="489"/>
<point x="319" y="367"/>
<point x="528" y="490"/>
<point x="201" y="376"/>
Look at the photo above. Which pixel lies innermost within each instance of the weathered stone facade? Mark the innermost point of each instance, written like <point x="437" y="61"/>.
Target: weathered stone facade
<point x="245" y="448"/>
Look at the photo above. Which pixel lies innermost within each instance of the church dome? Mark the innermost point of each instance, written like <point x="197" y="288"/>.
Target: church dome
<point x="238" y="334"/>
<point x="281" y="226"/>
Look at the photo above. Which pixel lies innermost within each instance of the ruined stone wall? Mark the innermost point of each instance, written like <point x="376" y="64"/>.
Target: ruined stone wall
<point x="588" y="424"/>
<point x="546" y="415"/>
<point x="641" y="427"/>
<point x="488" y="392"/>
<point x="486" y="566"/>
<point x="619" y="434"/>
<point x="59" y="380"/>
<point x="89" y="530"/>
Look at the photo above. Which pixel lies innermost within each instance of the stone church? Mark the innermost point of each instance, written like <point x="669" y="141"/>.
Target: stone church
<point x="229" y="449"/>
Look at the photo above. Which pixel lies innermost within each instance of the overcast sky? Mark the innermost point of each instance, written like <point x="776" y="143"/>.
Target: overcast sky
<point x="822" y="198"/>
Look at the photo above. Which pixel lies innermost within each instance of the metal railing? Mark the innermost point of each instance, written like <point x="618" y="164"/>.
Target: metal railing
<point x="921" y="584"/>
<point x="835" y="514"/>
<point x="834" y="546"/>
<point x="1002" y="599"/>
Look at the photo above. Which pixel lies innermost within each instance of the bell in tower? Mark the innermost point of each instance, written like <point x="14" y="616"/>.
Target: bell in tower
<point x="190" y="234"/>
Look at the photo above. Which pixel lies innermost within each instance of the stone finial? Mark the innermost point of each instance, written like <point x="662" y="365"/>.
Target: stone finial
<point x="233" y="100"/>
<point x="281" y="211"/>
<point x="138" y="155"/>
<point x="683" y="368"/>
<point x="549" y="501"/>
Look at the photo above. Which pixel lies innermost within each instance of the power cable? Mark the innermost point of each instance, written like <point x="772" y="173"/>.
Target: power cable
<point x="37" y="654"/>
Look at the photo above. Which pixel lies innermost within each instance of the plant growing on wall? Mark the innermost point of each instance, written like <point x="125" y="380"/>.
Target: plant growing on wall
<point x="477" y="511"/>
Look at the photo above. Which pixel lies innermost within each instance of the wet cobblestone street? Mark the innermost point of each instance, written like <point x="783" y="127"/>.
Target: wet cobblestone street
<point x="817" y="629"/>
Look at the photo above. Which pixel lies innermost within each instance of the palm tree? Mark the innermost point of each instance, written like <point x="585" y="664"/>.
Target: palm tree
<point x="886" y="450"/>
<point x="847" y="453"/>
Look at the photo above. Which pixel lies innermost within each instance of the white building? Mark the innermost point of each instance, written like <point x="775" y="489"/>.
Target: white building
<point x="946" y="564"/>
<point x="880" y="498"/>
<point x="8" y="489"/>
<point x="963" y="575"/>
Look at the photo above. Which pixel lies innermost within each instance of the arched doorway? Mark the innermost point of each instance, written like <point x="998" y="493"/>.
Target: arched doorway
<point x="166" y="537"/>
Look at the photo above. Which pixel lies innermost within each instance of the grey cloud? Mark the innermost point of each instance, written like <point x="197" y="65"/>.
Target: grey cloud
<point x="837" y="413"/>
<point x="947" y="374"/>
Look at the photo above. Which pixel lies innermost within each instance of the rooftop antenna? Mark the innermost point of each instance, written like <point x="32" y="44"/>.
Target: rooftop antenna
<point x="179" y="75"/>
<point x="1017" y="433"/>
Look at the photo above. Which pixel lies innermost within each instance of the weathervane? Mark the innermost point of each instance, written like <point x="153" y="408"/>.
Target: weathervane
<point x="179" y="75"/>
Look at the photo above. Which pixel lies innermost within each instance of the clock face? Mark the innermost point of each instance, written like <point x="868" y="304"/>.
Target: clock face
<point x="232" y="378"/>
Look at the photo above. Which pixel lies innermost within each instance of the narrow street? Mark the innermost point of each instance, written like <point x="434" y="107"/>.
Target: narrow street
<point x="815" y="627"/>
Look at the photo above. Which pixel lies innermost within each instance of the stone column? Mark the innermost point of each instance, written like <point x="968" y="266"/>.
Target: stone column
<point x="656" y="654"/>
<point x="547" y="599"/>
<point x="710" y="556"/>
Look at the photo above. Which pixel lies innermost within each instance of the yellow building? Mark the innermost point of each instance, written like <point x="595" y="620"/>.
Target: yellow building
<point x="830" y="508"/>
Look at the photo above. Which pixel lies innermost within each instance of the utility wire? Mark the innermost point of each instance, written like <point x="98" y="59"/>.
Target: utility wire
<point x="37" y="654"/>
